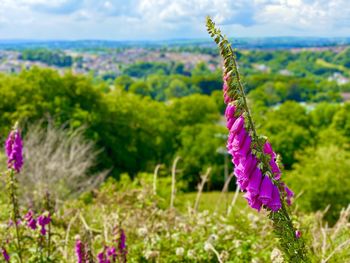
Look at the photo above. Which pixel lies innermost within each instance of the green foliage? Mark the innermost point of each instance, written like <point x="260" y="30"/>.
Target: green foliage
<point x="199" y="147"/>
<point x="341" y="120"/>
<point x="322" y="176"/>
<point x="55" y="58"/>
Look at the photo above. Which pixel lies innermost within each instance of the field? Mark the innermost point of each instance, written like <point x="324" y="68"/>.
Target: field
<point x="121" y="154"/>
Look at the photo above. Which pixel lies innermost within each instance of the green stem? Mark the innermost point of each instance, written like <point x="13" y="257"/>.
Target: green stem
<point x="15" y="212"/>
<point x="48" y="207"/>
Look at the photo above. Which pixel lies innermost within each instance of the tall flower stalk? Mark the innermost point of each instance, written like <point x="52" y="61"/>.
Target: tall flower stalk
<point x="256" y="167"/>
<point x="13" y="147"/>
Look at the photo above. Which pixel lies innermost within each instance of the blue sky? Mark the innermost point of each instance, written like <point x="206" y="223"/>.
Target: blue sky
<point x="166" y="19"/>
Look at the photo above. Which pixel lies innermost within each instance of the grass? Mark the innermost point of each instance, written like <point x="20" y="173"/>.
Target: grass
<point x="210" y="201"/>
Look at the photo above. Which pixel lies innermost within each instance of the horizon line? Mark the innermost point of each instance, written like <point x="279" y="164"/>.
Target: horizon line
<point x="166" y="39"/>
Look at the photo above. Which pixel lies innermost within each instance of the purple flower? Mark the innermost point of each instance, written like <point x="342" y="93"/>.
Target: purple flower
<point x="31" y="221"/>
<point x="227" y="98"/>
<point x="79" y="251"/>
<point x="266" y="188"/>
<point x="254" y="182"/>
<point x="297" y="234"/>
<point x="273" y="165"/>
<point x="275" y="203"/>
<point x="111" y="253"/>
<point x="230" y="112"/>
<point x="101" y="257"/>
<point x="122" y="245"/>
<point x="5" y="255"/>
<point x="14" y="149"/>
<point x="253" y="201"/>
<point x="260" y="189"/>
<point x="237" y="126"/>
<point x="289" y="195"/>
<point x="44" y="220"/>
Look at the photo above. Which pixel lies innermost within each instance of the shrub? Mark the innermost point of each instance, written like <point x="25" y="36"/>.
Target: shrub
<point x="322" y="175"/>
<point x="57" y="160"/>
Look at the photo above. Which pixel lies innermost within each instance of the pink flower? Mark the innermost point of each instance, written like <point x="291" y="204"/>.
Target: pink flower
<point x="14" y="149"/>
<point x="297" y="234"/>
<point x="79" y="251"/>
<point x="266" y="188"/>
<point x="275" y="203"/>
<point x="44" y="220"/>
<point x="5" y="255"/>
<point x="254" y="182"/>
<point x="289" y="194"/>
<point x="31" y="221"/>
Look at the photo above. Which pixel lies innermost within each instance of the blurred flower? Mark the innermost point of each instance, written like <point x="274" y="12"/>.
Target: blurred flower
<point x="212" y="239"/>
<point x="191" y="254"/>
<point x="5" y="255"/>
<point x="101" y="257"/>
<point x="79" y="251"/>
<point x="180" y="251"/>
<point x="151" y="254"/>
<point x="122" y="245"/>
<point x="297" y="234"/>
<point x="111" y="252"/>
<point x="276" y="256"/>
<point x="44" y="220"/>
<point x="31" y="221"/>
<point x="14" y="147"/>
<point x="224" y="256"/>
<point x="207" y="246"/>
<point x="142" y="232"/>
<point x="289" y="195"/>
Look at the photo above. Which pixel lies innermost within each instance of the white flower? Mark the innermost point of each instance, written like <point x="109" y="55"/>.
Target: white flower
<point x="207" y="246"/>
<point x="180" y="251"/>
<point x="142" y="231"/>
<point x="236" y="243"/>
<point x="175" y="236"/>
<point x="224" y="255"/>
<point x="151" y="254"/>
<point x="212" y="239"/>
<point x="276" y="256"/>
<point x="190" y="253"/>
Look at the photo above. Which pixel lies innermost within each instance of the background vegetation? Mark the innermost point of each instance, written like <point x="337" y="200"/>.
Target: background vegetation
<point x="152" y="112"/>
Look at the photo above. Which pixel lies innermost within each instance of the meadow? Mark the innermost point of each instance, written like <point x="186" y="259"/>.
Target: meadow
<point x="133" y="167"/>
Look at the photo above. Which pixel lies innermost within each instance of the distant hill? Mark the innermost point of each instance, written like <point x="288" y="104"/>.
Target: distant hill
<point x="242" y="43"/>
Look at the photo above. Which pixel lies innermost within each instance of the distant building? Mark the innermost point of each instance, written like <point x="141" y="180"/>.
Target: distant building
<point x="262" y="67"/>
<point x="286" y="72"/>
<point x="339" y="78"/>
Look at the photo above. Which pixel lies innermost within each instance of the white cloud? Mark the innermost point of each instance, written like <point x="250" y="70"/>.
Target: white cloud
<point x="130" y="19"/>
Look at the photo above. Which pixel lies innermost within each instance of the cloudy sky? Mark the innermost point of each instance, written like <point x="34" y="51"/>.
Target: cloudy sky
<point x="170" y="19"/>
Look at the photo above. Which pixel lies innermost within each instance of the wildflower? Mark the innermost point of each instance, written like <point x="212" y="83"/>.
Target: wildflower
<point x="101" y="257"/>
<point x="79" y="251"/>
<point x="151" y="254"/>
<point x="180" y="251"/>
<point x="142" y="232"/>
<point x="122" y="245"/>
<point x="297" y="234"/>
<point x="207" y="246"/>
<point x="259" y="188"/>
<point x="5" y="255"/>
<point x="44" y="220"/>
<point x="31" y="221"/>
<point x="289" y="195"/>
<point x="14" y="149"/>
<point x="227" y="98"/>
<point x="276" y="256"/>
<point x="224" y="256"/>
<point x="111" y="253"/>
<point x="275" y="203"/>
<point x="266" y="188"/>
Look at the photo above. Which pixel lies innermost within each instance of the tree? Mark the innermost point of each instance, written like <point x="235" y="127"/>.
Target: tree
<point x="322" y="175"/>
